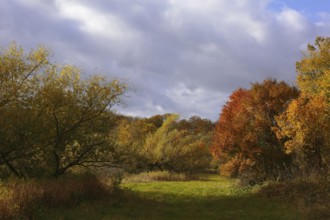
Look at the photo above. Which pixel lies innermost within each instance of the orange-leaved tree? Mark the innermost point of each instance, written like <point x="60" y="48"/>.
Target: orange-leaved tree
<point x="244" y="140"/>
<point x="228" y="132"/>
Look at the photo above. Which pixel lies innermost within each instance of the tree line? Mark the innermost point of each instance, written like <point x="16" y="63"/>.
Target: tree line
<point x="56" y="120"/>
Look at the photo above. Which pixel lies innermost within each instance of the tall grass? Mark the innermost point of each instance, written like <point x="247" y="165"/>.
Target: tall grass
<point x="20" y="200"/>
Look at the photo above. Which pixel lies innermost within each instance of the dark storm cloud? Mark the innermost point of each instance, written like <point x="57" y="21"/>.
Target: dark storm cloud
<point x="182" y="56"/>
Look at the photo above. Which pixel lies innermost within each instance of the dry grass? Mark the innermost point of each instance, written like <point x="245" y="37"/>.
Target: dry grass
<point x="24" y="199"/>
<point x="159" y="176"/>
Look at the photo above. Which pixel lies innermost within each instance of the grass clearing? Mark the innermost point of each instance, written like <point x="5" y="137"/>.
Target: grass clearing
<point x="211" y="198"/>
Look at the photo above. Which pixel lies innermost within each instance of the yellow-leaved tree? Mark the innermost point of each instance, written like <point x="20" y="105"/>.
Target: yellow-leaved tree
<point x="177" y="150"/>
<point x="51" y="119"/>
<point x="130" y="135"/>
<point x="305" y="125"/>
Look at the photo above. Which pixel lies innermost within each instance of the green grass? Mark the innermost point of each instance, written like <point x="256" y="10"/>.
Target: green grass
<point x="211" y="198"/>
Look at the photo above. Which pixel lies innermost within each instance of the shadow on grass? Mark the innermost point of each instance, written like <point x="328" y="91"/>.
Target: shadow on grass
<point x="152" y="205"/>
<point x="141" y="206"/>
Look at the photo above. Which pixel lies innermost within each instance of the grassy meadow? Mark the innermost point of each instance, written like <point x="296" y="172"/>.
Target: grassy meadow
<point x="209" y="197"/>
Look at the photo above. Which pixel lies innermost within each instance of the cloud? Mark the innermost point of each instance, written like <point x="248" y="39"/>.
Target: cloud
<point x="293" y="20"/>
<point x="183" y="56"/>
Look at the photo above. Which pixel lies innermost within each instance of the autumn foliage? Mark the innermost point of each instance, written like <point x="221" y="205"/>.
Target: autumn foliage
<point x="276" y="131"/>
<point x="305" y="125"/>
<point x="52" y="120"/>
<point x="244" y="141"/>
<point x="163" y="142"/>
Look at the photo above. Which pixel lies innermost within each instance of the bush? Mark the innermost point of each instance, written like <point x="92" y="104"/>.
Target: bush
<point x="25" y="199"/>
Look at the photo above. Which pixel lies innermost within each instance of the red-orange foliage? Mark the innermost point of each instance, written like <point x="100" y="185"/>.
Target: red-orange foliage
<point x="228" y="130"/>
<point x="243" y="134"/>
<point x="229" y="133"/>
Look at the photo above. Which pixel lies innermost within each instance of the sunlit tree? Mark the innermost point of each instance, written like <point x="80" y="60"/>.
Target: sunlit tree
<point x="244" y="140"/>
<point x="306" y="124"/>
<point x="171" y="149"/>
<point x="52" y="120"/>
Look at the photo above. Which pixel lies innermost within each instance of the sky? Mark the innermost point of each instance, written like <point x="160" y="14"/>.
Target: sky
<point x="178" y="56"/>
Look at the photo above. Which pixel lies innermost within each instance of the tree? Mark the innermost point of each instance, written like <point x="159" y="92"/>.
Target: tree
<point x="18" y="85"/>
<point x="54" y="120"/>
<point x="195" y="125"/>
<point x="305" y="125"/>
<point x="228" y="134"/>
<point x="269" y="99"/>
<point x="174" y="150"/>
<point x="244" y="140"/>
<point x="305" y="128"/>
<point x="76" y="112"/>
<point x="160" y="142"/>
<point x="130" y="135"/>
<point x="18" y="72"/>
<point x="157" y="120"/>
<point x="313" y="70"/>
